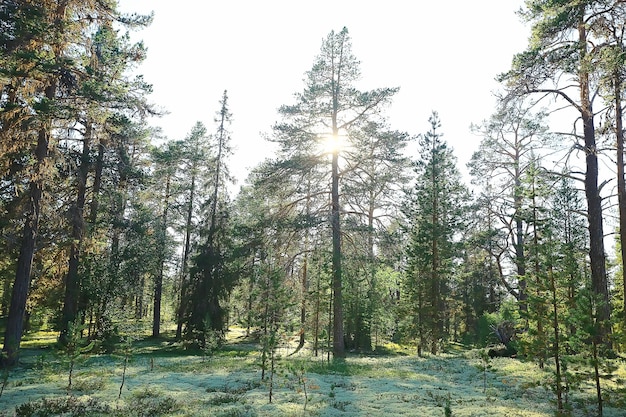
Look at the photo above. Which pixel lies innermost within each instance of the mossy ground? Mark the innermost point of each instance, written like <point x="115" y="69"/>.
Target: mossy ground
<point x="164" y="379"/>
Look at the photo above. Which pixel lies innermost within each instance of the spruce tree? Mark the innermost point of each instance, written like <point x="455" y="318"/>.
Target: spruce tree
<point x="211" y="282"/>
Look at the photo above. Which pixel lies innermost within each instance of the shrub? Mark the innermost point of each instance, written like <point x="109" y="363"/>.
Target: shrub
<point x="67" y="405"/>
<point x="148" y="403"/>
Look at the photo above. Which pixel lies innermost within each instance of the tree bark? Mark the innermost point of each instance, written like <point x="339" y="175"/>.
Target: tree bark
<point x="597" y="256"/>
<point x="15" y="320"/>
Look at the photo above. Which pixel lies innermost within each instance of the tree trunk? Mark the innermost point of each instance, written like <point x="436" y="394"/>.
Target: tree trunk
<point x="366" y="338"/>
<point x="182" y="302"/>
<point x="97" y="184"/>
<point x="17" y="309"/>
<point x="520" y="257"/>
<point x="72" y="280"/>
<point x="158" y="281"/>
<point x="304" y="288"/>
<point x="339" y="350"/>
<point x="621" y="181"/>
<point x="597" y="256"/>
<point x="316" y="324"/>
<point x="556" y="345"/>
<point x="539" y="307"/>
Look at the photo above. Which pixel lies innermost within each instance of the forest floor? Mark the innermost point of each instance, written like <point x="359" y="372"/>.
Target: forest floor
<point x="161" y="379"/>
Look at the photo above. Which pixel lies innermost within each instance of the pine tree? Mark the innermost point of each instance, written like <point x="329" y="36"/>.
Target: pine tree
<point x="435" y="217"/>
<point x="330" y="110"/>
<point x="610" y="31"/>
<point x="560" y="62"/>
<point x="372" y="193"/>
<point x="105" y="92"/>
<point x="44" y="78"/>
<point x="509" y="137"/>
<point x="167" y="163"/>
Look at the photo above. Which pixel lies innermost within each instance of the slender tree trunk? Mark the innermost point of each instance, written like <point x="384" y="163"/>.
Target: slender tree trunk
<point x="182" y="301"/>
<point x="304" y="283"/>
<point x="421" y="325"/>
<point x="339" y="350"/>
<point x="156" y="312"/>
<point x="72" y="280"/>
<point x="520" y="257"/>
<point x="597" y="377"/>
<point x="140" y="308"/>
<point x="621" y="180"/>
<point x="339" y="346"/>
<point x="97" y="185"/>
<point x="539" y="302"/>
<point x="316" y="325"/>
<point x="158" y="282"/>
<point x="366" y="342"/>
<point x="556" y="347"/>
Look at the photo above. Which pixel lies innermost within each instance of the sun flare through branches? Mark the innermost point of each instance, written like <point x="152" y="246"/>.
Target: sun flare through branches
<point x="331" y="144"/>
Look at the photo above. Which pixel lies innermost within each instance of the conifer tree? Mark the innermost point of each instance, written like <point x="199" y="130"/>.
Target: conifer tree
<point x="211" y="282"/>
<point x="372" y="189"/>
<point x="45" y="80"/>
<point x="610" y="31"/>
<point x="561" y="62"/>
<point x="105" y="94"/>
<point x="435" y="215"/>
<point x="317" y="131"/>
<point x="509" y="137"/>
<point x="167" y="163"/>
<point x="196" y="161"/>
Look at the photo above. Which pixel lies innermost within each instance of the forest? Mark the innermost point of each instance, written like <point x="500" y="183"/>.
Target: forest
<point x="353" y="242"/>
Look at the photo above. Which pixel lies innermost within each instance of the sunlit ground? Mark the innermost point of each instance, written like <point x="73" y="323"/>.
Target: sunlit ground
<point x="163" y="379"/>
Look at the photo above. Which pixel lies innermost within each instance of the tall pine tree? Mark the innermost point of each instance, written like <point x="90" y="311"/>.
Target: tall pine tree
<point x="435" y="214"/>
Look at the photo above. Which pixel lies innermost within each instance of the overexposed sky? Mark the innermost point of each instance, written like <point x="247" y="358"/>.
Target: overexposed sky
<point x="443" y="55"/>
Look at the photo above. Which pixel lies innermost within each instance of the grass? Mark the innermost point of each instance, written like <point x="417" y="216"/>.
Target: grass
<point x="162" y="379"/>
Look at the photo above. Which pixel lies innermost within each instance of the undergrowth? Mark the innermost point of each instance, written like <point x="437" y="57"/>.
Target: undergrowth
<point x="163" y="379"/>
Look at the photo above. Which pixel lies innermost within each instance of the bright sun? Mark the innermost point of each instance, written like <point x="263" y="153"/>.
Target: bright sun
<point x="333" y="143"/>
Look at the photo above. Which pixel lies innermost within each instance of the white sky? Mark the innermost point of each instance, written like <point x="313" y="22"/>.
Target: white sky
<point x="444" y="56"/>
